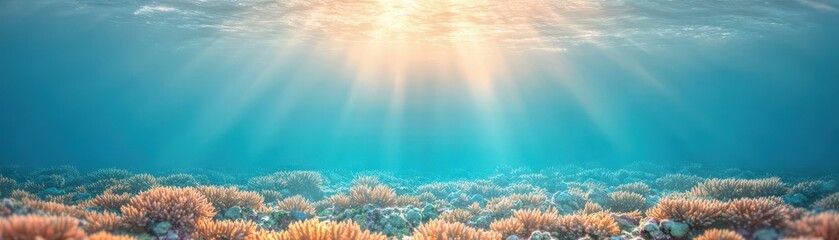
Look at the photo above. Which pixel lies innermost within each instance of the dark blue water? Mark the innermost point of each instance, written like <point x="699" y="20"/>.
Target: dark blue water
<point x="98" y="84"/>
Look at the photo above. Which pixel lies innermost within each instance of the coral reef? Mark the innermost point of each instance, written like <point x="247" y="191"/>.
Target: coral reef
<point x="508" y="203"/>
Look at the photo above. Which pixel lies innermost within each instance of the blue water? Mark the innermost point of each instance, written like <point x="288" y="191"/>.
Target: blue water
<point x="221" y="84"/>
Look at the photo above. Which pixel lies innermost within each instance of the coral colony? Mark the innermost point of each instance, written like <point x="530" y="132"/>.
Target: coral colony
<point x="505" y="204"/>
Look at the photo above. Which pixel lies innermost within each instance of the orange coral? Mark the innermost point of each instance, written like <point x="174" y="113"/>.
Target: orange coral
<point x="340" y="201"/>
<point x="694" y="212"/>
<point x="636" y="187"/>
<point x="500" y="206"/>
<point x="731" y="188"/>
<point x="40" y="227"/>
<point x="224" y="198"/>
<point x="591" y="207"/>
<point x="824" y="226"/>
<point x="441" y="230"/>
<point x="105" y="221"/>
<point x="314" y="229"/>
<point x="598" y="225"/>
<point x="830" y="202"/>
<point x="456" y="215"/>
<point x="719" y="234"/>
<point x="626" y="201"/>
<point x="21" y="195"/>
<point x="109" y="201"/>
<point x="181" y="207"/>
<point x="507" y="226"/>
<point x="54" y="208"/>
<point x="380" y="196"/>
<point x="756" y="213"/>
<point x="271" y="195"/>
<point x="296" y="203"/>
<point x="224" y="230"/>
<point x="531" y="220"/>
<point x="108" y="236"/>
<point x="407" y="200"/>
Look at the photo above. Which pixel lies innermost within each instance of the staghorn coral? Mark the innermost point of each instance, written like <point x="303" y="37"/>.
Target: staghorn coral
<point x="500" y="207"/>
<point x="21" y="195"/>
<point x="105" y="221"/>
<point x="108" y="201"/>
<point x="456" y="215"/>
<point x="305" y="183"/>
<point x="694" y="212"/>
<point x="528" y="201"/>
<point x="271" y="195"/>
<point x="426" y="197"/>
<point x="636" y="187"/>
<point x="626" y="201"/>
<point x="224" y="230"/>
<point x="224" y="198"/>
<point x="731" y="188"/>
<point x="530" y="220"/>
<point x="314" y="229"/>
<point x="756" y="213"/>
<point x="598" y="226"/>
<point x="183" y="208"/>
<point x="823" y="226"/>
<point x="108" y="236"/>
<point x="507" y="226"/>
<point x="340" y="201"/>
<point x="107" y="174"/>
<point x="407" y="200"/>
<point x="178" y="180"/>
<point x="54" y="208"/>
<point x="831" y="202"/>
<point x="441" y="230"/>
<point x="380" y="196"/>
<point x="719" y="234"/>
<point x="370" y="181"/>
<point x="7" y="185"/>
<point x="139" y="183"/>
<point x="40" y="227"/>
<point x="474" y="208"/>
<point x="677" y="182"/>
<point x="591" y="207"/>
<point x="296" y="203"/>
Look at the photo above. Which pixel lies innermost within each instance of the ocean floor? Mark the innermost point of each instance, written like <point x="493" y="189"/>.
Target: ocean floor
<point x="641" y="201"/>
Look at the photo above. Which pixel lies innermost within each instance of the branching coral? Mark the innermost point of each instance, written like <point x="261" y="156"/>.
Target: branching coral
<point x="370" y="181"/>
<point x="304" y="183"/>
<point x="178" y="180"/>
<point x="108" y="201"/>
<point x="105" y="221"/>
<point x="313" y="229"/>
<point x="756" y="213"/>
<point x="507" y="226"/>
<point x="626" y="201"/>
<point x="271" y="195"/>
<point x="183" y="208"/>
<point x="677" y="182"/>
<point x="224" y="230"/>
<point x="139" y="183"/>
<point x="500" y="207"/>
<point x="598" y="225"/>
<point x="831" y="202"/>
<point x="591" y="207"/>
<point x="822" y="226"/>
<point x="441" y="230"/>
<point x="636" y="187"/>
<point x="530" y="220"/>
<point x="7" y="185"/>
<point x="731" y="188"/>
<point x="380" y="196"/>
<point x="695" y="212"/>
<point x="40" y="227"/>
<point x="533" y="200"/>
<point x="224" y="198"/>
<point x="54" y="208"/>
<point x="21" y="195"/>
<point x="407" y="200"/>
<point x="296" y="203"/>
<point x="340" y="201"/>
<point x="719" y="234"/>
<point x="108" y="236"/>
<point x="456" y="215"/>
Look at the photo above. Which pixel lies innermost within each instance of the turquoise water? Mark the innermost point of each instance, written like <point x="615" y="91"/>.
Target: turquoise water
<point x="284" y="84"/>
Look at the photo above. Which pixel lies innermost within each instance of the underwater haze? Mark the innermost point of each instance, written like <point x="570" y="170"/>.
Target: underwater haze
<point x="419" y="84"/>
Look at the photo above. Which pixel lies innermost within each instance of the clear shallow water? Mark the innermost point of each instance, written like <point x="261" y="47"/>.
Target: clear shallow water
<point x="418" y="85"/>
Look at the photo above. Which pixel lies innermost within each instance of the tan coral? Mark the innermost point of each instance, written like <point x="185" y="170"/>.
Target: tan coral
<point x="271" y="195"/>
<point x="757" y="213"/>
<point x="108" y="201"/>
<point x="40" y="227"/>
<point x="181" y="207"/>
<point x="456" y="215"/>
<point x="54" y="208"/>
<point x="407" y="200"/>
<point x="694" y="212"/>
<point x="731" y="188"/>
<point x="598" y="226"/>
<point x="626" y="201"/>
<point x="636" y="187"/>
<point x="224" y="230"/>
<point x="823" y="226"/>
<point x="719" y="234"/>
<point x="224" y="198"/>
<point x="380" y="196"/>
<point x="530" y="219"/>
<point x="830" y="202"/>
<point x="296" y="203"/>
<point x="105" y="221"/>
<point x="108" y="236"/>
<point x="340" y="201"/>
<point x="441" y="230"/>
<point x="313" y="229"/>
